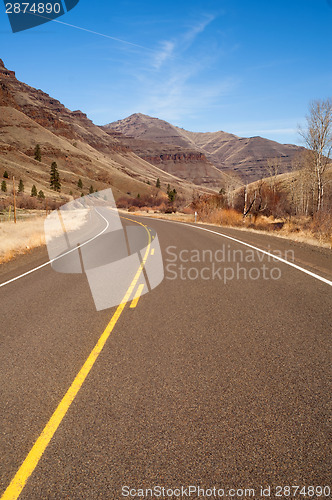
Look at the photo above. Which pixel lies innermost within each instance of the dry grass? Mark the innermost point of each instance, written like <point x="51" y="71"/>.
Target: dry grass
<point x="155" y="214"/>
<point x="19" y="238"/>
<point x="303" y="230"/>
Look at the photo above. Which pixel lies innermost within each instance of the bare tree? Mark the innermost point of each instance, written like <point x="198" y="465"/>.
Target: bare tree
<point x="231" y="183"/>
<point x="273" y="169"/>
<point x="303" y="186"/>
<point x="318" y="139"/>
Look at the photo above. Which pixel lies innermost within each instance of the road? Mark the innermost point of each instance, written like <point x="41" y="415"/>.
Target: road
<point x="211" y="380"/>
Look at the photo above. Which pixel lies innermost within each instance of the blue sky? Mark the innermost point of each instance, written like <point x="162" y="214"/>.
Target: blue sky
<point x="243" y="66"/>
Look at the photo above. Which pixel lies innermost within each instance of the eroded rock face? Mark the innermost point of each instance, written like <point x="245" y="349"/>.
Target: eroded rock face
<point x="192" y="166"/>
<point x="176" y="157"/>
<point x="51" y="114"/>
<point x="158" y="142"/>
<point x="246" y="157"/>
<point x="4" y="71"/>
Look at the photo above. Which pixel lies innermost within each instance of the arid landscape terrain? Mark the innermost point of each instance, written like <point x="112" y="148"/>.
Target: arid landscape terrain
<point x="81" y="149"/>
<point x="127" y="154"/>
<point x="151" y="165"/>
<point x="165" y="145"/>
<point x="165" y="250"/>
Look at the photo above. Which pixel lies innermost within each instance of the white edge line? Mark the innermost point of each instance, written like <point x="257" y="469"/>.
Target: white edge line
<point x="60" y="256"/>
<point x="284" y="261"/>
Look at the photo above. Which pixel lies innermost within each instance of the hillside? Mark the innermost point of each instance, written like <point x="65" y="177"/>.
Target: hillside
<point x="246" y="157"/>
<point x="129" y="154"/>
<point x="159" y="143"/>
<point x="81" y="149"/>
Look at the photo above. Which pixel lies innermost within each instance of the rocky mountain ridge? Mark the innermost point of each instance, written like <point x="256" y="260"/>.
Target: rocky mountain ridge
<point x="245" y="157"/>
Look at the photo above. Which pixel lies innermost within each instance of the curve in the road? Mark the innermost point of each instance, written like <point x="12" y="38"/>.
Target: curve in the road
<point x="60" y="256"/>
<point x="274" y="256"/>
<point x="17" y="484"/>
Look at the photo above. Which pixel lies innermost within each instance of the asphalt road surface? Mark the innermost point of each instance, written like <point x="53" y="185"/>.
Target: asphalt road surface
<point x="219" y="377"/>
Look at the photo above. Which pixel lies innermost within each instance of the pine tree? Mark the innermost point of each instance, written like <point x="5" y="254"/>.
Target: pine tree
<point x="55" y="178"/>
<point x="171" y="195"/>
<point x="168" y="189"/>
<point x="33" y="191"/>
<point x="5" y="175"/>
<point x="91" y="190"/>
<point x="158" y="183"/>
<point x="20" y="187"/>
<point x="79" y="184"/>
<point x="37" y="153"/>
<point x="4" y="186"/>
<point x="41" y="195"/>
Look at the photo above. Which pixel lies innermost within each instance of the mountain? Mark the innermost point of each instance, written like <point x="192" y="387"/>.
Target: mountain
<point x="159" y="143"/>
<point x="81" y="149"/>
<point x="246" y="157"/>
<point x="128" y="155"/>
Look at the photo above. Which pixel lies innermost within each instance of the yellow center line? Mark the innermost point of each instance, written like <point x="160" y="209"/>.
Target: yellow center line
<point x="137" y="296"/>
<point x="18" y="482"/>
<point x="152" y="251"/>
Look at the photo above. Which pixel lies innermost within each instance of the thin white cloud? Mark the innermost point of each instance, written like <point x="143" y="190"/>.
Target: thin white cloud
<point x="166" y="51"/>
<point x="176" y="82"/>
<point x="198" y="28"/>
<point x="180" y="95"/>
<point x="176" y="47"/>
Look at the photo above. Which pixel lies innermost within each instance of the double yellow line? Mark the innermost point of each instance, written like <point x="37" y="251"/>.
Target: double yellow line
<point x="18" y="482"/>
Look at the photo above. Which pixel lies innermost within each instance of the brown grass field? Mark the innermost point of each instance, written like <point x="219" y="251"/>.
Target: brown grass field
<point x="21" y="237"/>
<point x="28" y="233"/>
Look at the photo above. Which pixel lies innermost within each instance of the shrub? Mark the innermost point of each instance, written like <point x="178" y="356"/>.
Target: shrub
<point x="321" y="225"/>
<point x="187" y="211"/>
<point x="230" y="217"/>
<point x="26" y="201"/>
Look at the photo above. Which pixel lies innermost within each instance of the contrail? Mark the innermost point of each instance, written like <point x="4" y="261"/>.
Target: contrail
<point x="102" y="34"/>
<point x="95" y="33"/>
